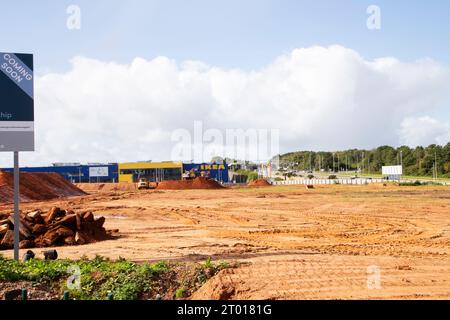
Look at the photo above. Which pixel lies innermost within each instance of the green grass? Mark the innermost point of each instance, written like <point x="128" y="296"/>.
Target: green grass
<point x="180" y="293"/>
<point x="32" y="270"/>
<point x="209" y="263"/>
<point x="125" y="280"/>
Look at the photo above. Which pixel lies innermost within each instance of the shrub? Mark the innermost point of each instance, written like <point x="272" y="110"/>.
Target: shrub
<point x="209" y="263"/>
<point x="124" y="279"/>
<point x="180" y="293"/>
<point x="252" y="176"/>
<point x="412" y="184"/>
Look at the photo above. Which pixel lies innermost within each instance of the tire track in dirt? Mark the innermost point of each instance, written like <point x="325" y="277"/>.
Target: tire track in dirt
<point x="294" y="243"/>
<point x="328" y="277"/>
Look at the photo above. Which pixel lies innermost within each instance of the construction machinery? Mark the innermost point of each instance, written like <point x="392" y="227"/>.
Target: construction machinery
<point x="190" y="175"/>
<point x="143" y="184"/>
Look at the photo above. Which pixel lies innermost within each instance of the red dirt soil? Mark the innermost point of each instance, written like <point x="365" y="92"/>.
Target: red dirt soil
<point x="197" y="183"/>
<point x="259" y="183"/>
<point x="36" y="186"/>
<point x="120" y="186"/>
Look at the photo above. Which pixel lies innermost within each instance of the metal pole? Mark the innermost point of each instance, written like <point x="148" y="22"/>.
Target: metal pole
<point x="310" y="165"/>
<point x="339" y="169"/>
<point x="401" y="158"/>
<point x="357" y="163"/>
<point x="333" y="163"/>
<point x="435" y="164"/>
<point x="362" y="164"/>
<point x="16" y="206"/>
<point x="24" y="294"/>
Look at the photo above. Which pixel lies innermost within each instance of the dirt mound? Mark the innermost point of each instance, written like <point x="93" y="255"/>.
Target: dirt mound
<point x="55" y="228"/>
<point x="259" y="183"/>
<point x="121" y="186"/>
<point x="36" y="186"/>
<point x="217" y="288"/>
<point x="197" y="183"/>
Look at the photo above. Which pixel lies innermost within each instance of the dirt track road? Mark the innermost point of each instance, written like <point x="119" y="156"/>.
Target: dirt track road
<point x="326" y="243"/>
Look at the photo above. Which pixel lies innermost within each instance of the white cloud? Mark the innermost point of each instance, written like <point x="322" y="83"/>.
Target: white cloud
<point x="423" y="131"/>
<point x="319" y="98"/>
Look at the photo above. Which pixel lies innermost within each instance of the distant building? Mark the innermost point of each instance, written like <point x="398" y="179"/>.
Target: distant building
<point x="78" y="173"/>
<point x="130" y="172"/>
<point x="217" y="171"/>
<point x="153" y="171"/>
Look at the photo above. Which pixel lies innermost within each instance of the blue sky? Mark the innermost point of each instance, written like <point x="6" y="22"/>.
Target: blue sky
<point x="239" y="34"/>
<point x="252" y="67"/>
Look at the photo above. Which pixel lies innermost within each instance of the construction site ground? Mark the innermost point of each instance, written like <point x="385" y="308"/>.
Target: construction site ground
<point x="330" y="242"/>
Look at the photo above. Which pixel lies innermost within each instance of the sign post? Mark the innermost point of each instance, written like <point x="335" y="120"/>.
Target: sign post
<point x="16" y="118"/>
<point x="16" y="205"/>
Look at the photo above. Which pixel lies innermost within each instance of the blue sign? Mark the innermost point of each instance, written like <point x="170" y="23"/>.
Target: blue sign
<point x="16" y="102"/>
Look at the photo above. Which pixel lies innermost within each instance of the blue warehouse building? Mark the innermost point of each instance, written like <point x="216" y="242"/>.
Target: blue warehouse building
<point x="78" y="173"/>
<point x="217" y="171"/>
<point x="109" y="173"/>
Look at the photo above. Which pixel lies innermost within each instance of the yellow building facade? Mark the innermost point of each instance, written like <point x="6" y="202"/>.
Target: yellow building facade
<point x="153" y="171"/>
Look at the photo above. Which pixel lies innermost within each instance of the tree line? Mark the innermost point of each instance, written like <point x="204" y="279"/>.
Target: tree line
<point x="430" y="161"/>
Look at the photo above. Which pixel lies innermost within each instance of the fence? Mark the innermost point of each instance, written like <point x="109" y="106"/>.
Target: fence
<point x="357" y="181"/>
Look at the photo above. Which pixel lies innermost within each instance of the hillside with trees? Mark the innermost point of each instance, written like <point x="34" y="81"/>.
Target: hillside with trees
<point x="419" y="161"/>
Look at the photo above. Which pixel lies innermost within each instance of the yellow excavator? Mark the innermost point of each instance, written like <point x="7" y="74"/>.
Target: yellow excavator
<point x="190" y="175"/>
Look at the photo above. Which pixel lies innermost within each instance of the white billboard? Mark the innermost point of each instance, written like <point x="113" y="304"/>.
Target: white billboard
<point x="98" y="171"/>
<point x="392" y="170"/>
